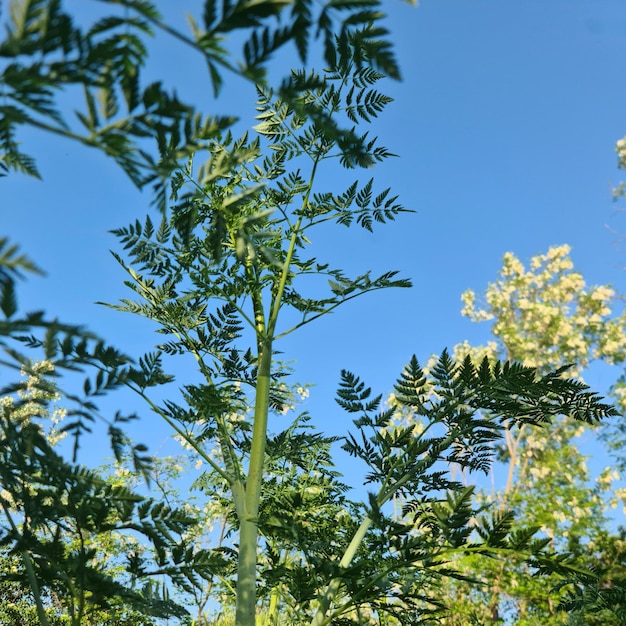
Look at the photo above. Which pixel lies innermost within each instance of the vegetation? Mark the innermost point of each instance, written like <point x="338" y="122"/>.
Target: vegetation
<point x="223" y="269"/>
<point x="546" y="316"/>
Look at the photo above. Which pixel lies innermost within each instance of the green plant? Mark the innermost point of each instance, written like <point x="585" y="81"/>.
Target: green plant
<point x="545" y="315"/>
<point x="225" y="272"/>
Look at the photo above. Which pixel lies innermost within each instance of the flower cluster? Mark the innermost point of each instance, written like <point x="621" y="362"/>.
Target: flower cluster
<point x="546" y="316"/>
<point x="33" y="401"/>
<point x="620" y="148"/>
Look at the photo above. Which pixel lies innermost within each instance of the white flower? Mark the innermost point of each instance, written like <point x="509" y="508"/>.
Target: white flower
<point x="302" y="392"/>
<point x="602" y="293"/>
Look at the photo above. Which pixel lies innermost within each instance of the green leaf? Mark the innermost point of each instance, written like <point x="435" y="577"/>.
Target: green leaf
<point x="8" y="299"/>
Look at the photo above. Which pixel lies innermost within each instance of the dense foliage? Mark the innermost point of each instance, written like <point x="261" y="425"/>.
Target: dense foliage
<point x="546" y="316"/>
<point x="222" y="270"/>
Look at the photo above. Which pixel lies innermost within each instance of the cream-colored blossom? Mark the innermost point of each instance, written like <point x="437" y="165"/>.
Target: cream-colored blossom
<point x="602" y="293"/>
<point x="539" y="472"/>
<point x="303" y="392"/>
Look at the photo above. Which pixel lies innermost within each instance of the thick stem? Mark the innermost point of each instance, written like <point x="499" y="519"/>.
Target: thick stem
<point x="248" y="523"/>
<point x="246" y="574"/>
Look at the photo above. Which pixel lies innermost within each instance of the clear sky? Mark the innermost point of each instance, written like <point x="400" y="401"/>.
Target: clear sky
<point x="505" y="126"/>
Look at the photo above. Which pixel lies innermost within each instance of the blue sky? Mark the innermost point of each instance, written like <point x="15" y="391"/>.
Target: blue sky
<point x="505" y="126"/>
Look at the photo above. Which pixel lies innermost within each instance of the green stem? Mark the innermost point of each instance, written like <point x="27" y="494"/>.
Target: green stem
<point x="273" y="610"/>
<point x="385" y="494"/>
<point x="233" y="480"/>
<point x="193" y="44"/>
<point x="30" y="571"/>
<point x="320" y="617"/>
<point x="297" y="229"/>
<point x="326" y="311"/>
<point x="248" y="524"/>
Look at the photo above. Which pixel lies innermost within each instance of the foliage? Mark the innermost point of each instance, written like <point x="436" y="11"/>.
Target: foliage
<point x="106" y="60"/>
<point x="244" y="258"/>
<point x="54" y="511"/>
<point x="225" y="274"/>
<point x="459" y="419"/>
<point x="229" y="258"/>
<point x="48" y="53"/>
<point x="547" y="317"/>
